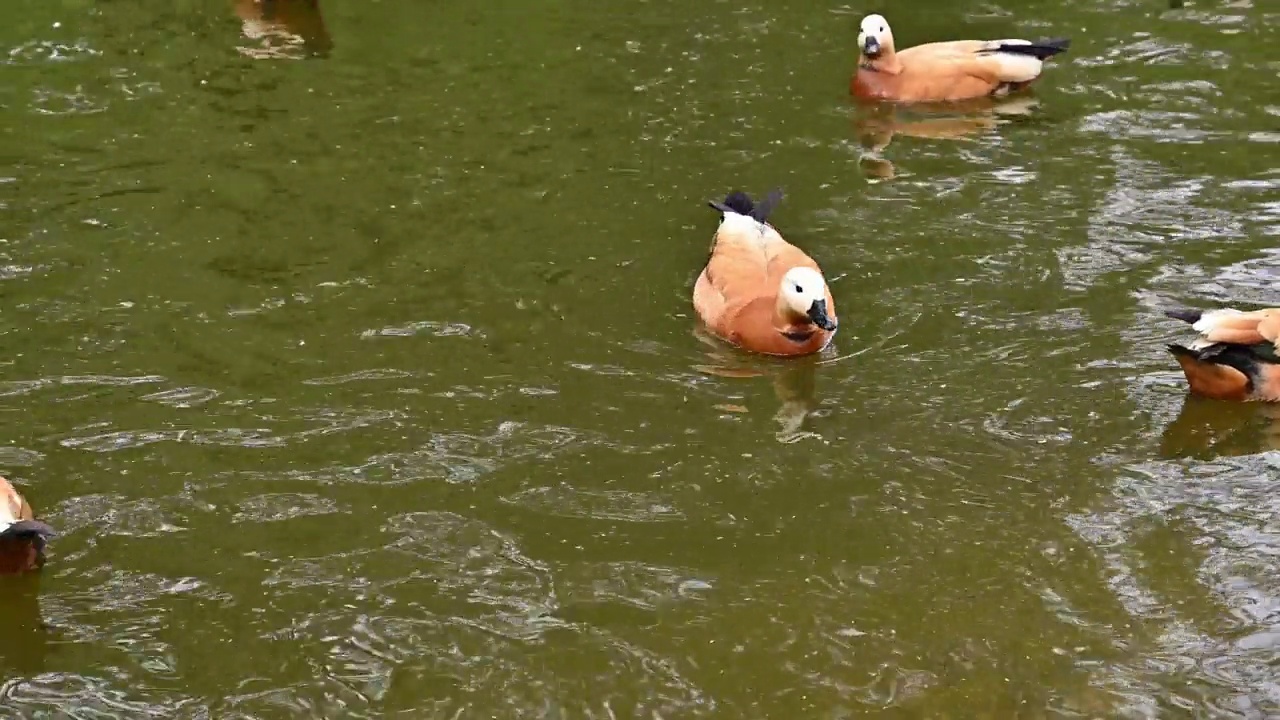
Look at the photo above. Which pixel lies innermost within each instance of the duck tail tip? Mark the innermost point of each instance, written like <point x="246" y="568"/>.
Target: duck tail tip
<point x="27" y="528"/>
<point x="1040" y="49"/>
<point x="736" y="201"/>
<point x="741" y="203"/>
<point x="1187" y="315"/>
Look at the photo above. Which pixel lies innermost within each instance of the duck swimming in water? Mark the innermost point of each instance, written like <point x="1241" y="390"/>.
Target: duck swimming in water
<point x="22" y="537"/>
<point x="1236" y="357"/>
<point x="758" y="291"/>
<point x="944" y="71"/>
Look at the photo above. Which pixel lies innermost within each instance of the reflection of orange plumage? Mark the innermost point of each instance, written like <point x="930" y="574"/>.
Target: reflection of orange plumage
<point x="877" y="125"/>
<point x="944" y="71"/>
<point x="25" y="640"/>
<point x="1207" y="429"/>
<point x="283" y="28"/>
<point x="22" y="537"/>
<point x="794" y="384"/>
<point x="1236" y="357"/>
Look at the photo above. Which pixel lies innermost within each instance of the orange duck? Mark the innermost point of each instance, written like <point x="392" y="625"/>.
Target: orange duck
<point x="22" y="537"/>
<point x="944" y="71"/>
<point x="1236" y="357"/>
<point x="758" y="291"/>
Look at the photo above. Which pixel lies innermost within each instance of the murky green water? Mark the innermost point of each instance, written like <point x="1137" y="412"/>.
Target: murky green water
<point x="361" y="379"/>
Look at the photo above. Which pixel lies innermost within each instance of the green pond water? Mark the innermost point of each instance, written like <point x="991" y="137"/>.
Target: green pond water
<point x="357" y="369"/>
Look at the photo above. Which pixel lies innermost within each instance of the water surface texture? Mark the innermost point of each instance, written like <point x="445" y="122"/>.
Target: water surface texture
<point x="351" y="352"/>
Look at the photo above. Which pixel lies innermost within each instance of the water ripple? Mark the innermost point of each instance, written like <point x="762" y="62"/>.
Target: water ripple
<point x="564" y="501"/>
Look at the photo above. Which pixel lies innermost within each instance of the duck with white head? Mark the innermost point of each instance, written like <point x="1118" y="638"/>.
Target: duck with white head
<point x="944" y="71"/>
<point x="758" y="291"/>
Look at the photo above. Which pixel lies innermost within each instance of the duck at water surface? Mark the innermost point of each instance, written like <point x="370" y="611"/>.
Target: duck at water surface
<point x="22" y="537"/>
<point x="758" y="291"/>
<point x="1236" y="357"/>
<point x="283" y="28"/>
<point x="944" y="71"/>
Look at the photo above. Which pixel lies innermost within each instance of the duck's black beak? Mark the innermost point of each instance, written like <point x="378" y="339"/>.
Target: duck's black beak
<point x="871" y="47"/>
<point x="818" y="314"/>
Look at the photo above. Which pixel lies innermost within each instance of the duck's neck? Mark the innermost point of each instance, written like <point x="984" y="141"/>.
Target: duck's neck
<point x="790" y="324"/>
<point x="886" y="62"/>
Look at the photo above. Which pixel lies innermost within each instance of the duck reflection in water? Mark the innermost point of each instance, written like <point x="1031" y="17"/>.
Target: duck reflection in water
<point x="876" y="125"/>
<point x="282" y="28"/>
<point x="25" y="640"/>
<point x="1207" y="428"/>
<point x="794" y="383"/>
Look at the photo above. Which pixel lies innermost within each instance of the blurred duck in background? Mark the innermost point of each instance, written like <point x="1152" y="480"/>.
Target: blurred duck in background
<point x="282" y="28"/>
<point x="944" y="71"/>
<point x="22" y="537"/>
<point x="1236" y="357"/>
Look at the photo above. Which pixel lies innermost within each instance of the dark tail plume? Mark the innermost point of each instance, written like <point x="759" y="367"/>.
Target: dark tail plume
<point x="1040" y="49"/>
<point x="1186" y="315"/>
<point x="741" y="203"/>
<point x="27" y="528"/>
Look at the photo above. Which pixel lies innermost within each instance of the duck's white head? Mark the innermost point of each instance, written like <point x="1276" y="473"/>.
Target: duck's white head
<point x="804" y="295"/>
<point x="874" y="36"/>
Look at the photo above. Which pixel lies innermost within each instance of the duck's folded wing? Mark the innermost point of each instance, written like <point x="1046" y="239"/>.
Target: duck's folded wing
<point x="992" y="61"/>
<point x="1269" y="328"/>
<point x="737" y="271"/>
<point x="1239" y="328"/>
<point x="781" y="257"/>
<point x="944" y="50"/>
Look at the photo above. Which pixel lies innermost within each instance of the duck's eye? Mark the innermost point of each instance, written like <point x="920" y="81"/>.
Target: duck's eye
<point x="799" y="289"/>
<point x="881" y="28"/>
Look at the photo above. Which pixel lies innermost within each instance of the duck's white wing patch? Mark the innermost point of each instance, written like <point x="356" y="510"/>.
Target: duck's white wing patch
<point x="744" y="224"/>
<point x="1012" y="68"/>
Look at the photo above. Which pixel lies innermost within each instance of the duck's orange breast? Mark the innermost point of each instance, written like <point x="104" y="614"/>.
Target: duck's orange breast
<point x="755" y="327"/>
<point x="871" y="85"/>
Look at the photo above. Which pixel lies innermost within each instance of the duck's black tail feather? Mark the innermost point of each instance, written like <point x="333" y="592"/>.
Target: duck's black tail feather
<point x="741" y="203"/>
<point x="1039" y="49"/>
<point x="27" y="528"/>
<point x="1187" y="315"/>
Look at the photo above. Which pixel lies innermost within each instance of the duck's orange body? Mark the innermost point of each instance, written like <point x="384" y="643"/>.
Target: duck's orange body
<point x="760" y="292"/>
<point x="1237" y="356"/>
<point x="22" y="537"/>
<point x="944" y="71"/>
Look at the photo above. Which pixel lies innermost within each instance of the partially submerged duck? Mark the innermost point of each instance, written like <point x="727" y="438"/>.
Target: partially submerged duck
<point x="22" y="537"/>
<point x="1236" y="357"/>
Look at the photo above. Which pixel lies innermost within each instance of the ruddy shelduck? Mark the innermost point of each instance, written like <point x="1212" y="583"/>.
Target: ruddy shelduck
<point x="1236" y="357"/>
<point x="22" y="537"/>
<point x="758" y="291"/>
<point x="944" y="71"/>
